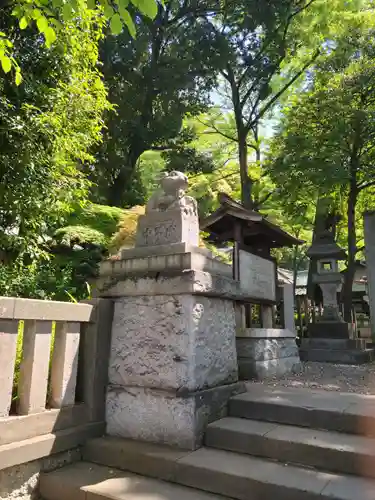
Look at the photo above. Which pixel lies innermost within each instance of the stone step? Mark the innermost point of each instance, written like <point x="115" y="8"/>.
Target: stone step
<point x="228" y="474"/>
<point x="93" y="482"/>
<point x="327" y="343"/>
<point x="316" y="409"/>
<point x="340" y="356"/>
<point x="325" y="450"/>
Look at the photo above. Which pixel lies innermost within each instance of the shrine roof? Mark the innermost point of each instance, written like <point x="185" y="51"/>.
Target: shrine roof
<point x="256" y="229"/>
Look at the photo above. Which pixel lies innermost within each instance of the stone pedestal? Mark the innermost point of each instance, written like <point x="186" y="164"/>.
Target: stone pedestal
<point x="173" y="363"/>
<point x="169" y="227"/>
<point x="266" y="352"/>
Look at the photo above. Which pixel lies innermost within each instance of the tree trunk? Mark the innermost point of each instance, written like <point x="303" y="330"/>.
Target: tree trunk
<point x="116" y="189"/>
<point x="347" y="292"/>
<point x="246" y="183"/>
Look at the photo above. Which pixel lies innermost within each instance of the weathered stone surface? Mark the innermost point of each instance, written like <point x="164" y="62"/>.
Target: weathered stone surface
<point x="265" y="349"/>
<point x="173" y="342"/>
<point x="172" y="226"/>
<point x="148" y="415"/>
<point x="257" y="276"/>
<point x="166" y="262"/>
<point x="168" y="249"/>
<point x="265" y="333"/>
<point x="250" y="369"/>
<point x="161" y="417"/>
<point x="171" y="283"/>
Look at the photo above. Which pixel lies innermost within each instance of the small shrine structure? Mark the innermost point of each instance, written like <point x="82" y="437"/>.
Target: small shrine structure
<point x="263" y="351"/>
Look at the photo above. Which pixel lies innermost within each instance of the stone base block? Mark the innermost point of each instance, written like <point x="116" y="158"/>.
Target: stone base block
<point x="333" y="344"/>
<point x="171" y="226"/>
<point x="261" y="358"/>
<point x="340" y="351"/>
<point x="162" y="417"/>
<point x="170" y="261"/>
<point x="330" y="329"/>
<point x="174" y="343"/>
<point x="339" y="357"/>
<point x="266" y="349"/>
<point x="260" y="370"/>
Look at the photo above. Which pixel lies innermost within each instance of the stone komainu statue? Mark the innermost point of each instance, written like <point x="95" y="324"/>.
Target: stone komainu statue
<point x="171" y="195"/>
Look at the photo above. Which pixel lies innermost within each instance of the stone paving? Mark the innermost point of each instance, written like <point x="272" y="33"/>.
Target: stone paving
<point x="330" y="377"/>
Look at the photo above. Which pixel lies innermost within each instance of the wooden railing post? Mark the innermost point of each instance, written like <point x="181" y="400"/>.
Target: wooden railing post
<point x="64" y="364"/>
<point x="33" y="378"/>
<point x="8" y="349"/>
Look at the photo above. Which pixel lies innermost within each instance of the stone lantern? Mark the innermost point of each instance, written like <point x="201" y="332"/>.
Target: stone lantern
<point x="327" y="254"/>
<point x="330" y="338"/>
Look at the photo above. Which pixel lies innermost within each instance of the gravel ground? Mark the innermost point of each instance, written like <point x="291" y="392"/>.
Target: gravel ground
<point x="330" y="377"/>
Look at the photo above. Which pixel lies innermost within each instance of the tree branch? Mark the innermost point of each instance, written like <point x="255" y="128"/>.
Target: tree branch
<point x="365" y="185"/>
<point x="216" y="131"/>
<point x="272" y="101"/>
<point x="161" y="148"/>
<point x="265" y="198"/>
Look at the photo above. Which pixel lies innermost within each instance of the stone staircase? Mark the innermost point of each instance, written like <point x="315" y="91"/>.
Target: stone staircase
<point x="289" y="444"/>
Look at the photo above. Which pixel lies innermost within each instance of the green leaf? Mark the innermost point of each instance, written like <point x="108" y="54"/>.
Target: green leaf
<point x="6" y="64"/>
<point x="67" y="12"/>
<point x="42" y="24"/>
<point x="148" y="7"/>
<point x="108" y="11"/>
<point x="23" y="23"/>
<point x="50" y="36"/>
<point x="57" y="24"/>
<point x="116" y="24"/>
<point x="91" y="4"/>
<point x="129" y="22"/>
<point x="122" y="4"/>
<point x="18" y="78"/>
<point x="36" y="13"/>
